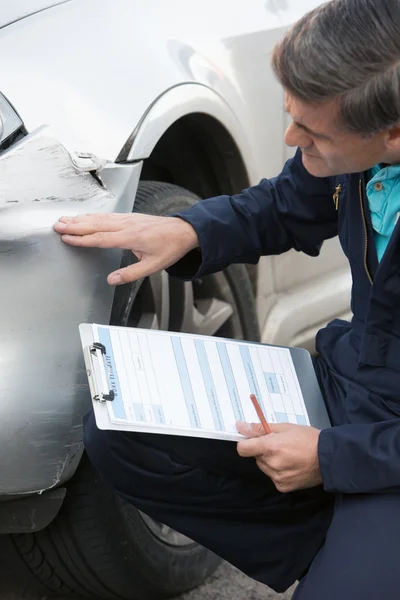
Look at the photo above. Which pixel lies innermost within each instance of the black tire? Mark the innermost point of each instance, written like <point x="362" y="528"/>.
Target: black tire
<point x="99" y="546"/>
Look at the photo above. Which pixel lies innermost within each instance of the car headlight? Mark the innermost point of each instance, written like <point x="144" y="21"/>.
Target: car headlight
<point x="10" y="122"/>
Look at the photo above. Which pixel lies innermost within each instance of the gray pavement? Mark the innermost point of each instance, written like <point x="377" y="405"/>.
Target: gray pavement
<point x="226" y="584"/>
<point x="230" y="584"/>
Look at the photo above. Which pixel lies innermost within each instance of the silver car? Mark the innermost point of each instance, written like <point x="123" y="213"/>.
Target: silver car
<point x="121" y="105"/>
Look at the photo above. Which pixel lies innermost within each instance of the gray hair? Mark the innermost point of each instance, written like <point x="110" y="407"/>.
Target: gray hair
<point x="349" y="50"/>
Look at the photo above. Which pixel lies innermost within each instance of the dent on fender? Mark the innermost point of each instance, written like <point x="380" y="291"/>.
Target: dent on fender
<point x="40" y="180"/>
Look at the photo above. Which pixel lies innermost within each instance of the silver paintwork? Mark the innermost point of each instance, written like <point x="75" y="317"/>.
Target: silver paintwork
<point x="97" y="66"/>
<point x="15" y="10"/>
<point x="46" y="291"/>
<point x="110" y="77"/>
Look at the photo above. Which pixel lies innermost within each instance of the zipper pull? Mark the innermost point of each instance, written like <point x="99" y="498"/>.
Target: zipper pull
<point x="336" y="195"/>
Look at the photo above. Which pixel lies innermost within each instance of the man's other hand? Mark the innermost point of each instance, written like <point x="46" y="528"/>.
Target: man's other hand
<point x="288" y="455"/>
<point x="157" y="242"/>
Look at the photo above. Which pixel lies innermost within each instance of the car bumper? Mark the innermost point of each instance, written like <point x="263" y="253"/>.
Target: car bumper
<point x="47" y="289"/>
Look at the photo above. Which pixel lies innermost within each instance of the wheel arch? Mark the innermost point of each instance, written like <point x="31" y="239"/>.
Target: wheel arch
<point x="191" y="137"/>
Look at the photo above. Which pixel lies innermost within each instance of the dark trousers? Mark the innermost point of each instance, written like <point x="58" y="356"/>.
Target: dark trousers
<point x="349" y="546"/>
<point x="340" y="547"/>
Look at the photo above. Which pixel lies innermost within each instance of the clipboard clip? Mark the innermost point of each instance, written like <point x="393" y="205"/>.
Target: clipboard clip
<point x="98" y="373"/>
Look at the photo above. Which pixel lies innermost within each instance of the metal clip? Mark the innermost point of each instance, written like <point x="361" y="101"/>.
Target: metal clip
<point x="97" y="372"/>
<point x="86" y="162"/>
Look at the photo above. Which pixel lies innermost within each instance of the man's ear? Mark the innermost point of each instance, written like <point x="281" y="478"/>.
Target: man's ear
<point x="393" y="139"/>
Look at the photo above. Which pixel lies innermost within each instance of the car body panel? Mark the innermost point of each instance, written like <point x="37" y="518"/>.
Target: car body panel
<point x="47" y="290"/>
<point x="15" y="10"/>
<point x="93" y="87"/>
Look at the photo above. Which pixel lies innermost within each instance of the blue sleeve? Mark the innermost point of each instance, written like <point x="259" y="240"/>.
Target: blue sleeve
<point x="293" y="210"/>
<point x="361" y="458"/>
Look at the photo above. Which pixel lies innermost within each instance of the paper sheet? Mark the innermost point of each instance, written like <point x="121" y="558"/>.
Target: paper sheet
<point x="197" y="382"/>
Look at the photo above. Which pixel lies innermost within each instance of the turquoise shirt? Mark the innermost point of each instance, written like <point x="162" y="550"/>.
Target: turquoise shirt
<point x="383" y="192"/>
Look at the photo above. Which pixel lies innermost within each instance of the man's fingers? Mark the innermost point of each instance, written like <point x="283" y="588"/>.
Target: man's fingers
<point x="87" y="227"/>
<point x="267" y="469"/>
<point x="250" y="429"/>
<point x="255" y="444"/>
<point x="253" y="447"/>
<point x="282" y="427"/>
<point x="91" y="216"/>
<point x="88" y="224"/>
<point x="116" y="239"/>
<point x="134" y="272"/>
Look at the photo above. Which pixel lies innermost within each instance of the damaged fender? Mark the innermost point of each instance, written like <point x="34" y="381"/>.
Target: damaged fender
<point x="47" y="290"/>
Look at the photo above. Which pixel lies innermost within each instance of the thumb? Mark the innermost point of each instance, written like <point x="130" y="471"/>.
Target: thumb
<point x="281" y="427"/>
<point x="250" y="429"/>
<point x="138" y="270"/>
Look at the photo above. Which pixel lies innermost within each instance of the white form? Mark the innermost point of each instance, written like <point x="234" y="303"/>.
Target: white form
<point x="184" y="381"/>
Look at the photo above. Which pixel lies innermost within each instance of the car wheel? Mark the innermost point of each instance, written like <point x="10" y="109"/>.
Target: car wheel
<point x="99" y="546"/>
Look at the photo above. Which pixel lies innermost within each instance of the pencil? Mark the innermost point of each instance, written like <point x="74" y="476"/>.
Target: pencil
<point x="260" y="414"/>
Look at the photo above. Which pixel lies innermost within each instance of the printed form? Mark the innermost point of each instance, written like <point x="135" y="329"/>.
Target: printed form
<point x="197" y="382"/>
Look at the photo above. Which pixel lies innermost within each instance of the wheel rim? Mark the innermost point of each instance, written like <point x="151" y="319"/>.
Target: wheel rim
<point x="164" y="533"/>
<point x="206" y="306"/>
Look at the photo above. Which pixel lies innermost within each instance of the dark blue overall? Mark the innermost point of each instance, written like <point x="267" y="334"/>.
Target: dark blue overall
<point x="343" y="539"/>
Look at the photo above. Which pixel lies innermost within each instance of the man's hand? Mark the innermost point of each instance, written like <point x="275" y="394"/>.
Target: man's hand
<point x="157" y="242"/>
<point x="288" y="455"/>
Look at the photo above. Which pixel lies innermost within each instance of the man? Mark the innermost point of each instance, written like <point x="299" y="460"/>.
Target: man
<point x="319" y="506"/>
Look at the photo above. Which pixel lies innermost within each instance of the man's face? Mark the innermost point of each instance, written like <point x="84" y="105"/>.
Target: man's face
<point x="327" y="149"/>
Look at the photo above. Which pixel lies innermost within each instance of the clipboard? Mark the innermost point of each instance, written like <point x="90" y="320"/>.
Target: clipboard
<point x="105" y="391"/>
<point x="101" y="387"/>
